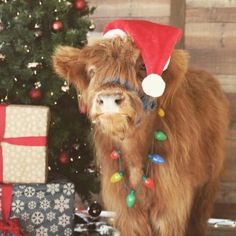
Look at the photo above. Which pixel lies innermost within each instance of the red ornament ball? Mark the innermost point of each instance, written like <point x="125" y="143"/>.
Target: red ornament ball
<point x="64" y="158"/>
<point x="57" y="25"/>
<point x="35" y="94"/>
<point x="80" y="5"/>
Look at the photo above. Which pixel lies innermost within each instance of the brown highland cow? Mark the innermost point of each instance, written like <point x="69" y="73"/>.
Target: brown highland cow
<point x="193" y="112"/>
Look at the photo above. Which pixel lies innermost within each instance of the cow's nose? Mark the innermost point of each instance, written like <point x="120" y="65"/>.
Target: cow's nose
<point x="110" y="103"/>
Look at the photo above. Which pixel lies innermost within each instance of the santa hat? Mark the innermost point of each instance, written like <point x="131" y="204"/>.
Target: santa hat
<point x="155" y="42"/>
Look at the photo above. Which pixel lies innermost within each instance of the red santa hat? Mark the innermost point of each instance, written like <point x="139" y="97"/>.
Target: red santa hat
<point x="155" y="42"/>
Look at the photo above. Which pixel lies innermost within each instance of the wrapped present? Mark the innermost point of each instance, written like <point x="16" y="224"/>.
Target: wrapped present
<point x="23" y="140"/>
<point x="37" y="209"/>
<point x="85" y="225"/>
<point x="7" y="225"/>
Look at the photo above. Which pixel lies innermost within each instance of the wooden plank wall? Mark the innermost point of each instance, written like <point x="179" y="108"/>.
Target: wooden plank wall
<point x="210" y="37"/>
<point x="107" y="10"/>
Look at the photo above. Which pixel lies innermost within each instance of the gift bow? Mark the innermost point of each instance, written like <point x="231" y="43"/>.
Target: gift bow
<point x="26" y="141"/>
<point x="8" y="225"/>
<point x="11" y="226"/>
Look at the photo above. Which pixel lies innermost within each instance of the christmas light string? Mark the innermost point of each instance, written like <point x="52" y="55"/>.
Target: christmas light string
<point x="145" y="180"/>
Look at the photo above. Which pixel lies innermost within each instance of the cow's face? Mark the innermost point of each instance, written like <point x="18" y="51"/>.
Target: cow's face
<point x="108" y="76"/>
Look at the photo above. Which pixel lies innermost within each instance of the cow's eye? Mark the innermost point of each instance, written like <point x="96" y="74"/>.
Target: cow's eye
<point x="141" y="71"/>
<point x="142" y="67"/>
<point x="91" y="71"/>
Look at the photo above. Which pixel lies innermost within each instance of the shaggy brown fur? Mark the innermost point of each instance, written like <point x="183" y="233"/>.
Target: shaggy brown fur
<point x="195" y="122"/>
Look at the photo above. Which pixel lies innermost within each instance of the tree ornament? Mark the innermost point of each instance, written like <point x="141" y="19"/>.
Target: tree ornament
<point x="37" y="84"/>
<point x="18" y="82"/>
<point x="37" y="29"/>
<point x="2" y="57"/>
<point x="38" y="34"/>
<point x="35" y="94"/>
<point x="26" y="48"/>
<point x="3" y="94"/>
<point x="91" y="169"/>
<point x="80" y="5"/>
<point x="148" y="182"/>
<point x="65" y="88"/>
<point x="92" y="27"/>
<point x="117" y="176"/>
<point x="64" y="158"/>
<point x="68" y="4"/>
<point x="33" y="65"/>
<point x="160" y="135"/>
<point x="156" y="159"/>
<point x="115" y="155"/>
<point x="95" y="209"/>
<point x="1" y="26"/>
<point x="57" y="25"/>
<point x="131" y="198"/>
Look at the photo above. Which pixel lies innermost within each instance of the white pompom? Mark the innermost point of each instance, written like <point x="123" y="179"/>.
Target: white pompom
<point x="167" y="64"/>
<point x="153" y="85"/>
<point x="115" y="33"/>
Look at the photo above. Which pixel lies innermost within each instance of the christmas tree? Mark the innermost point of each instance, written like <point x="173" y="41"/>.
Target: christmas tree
<point x="30" y="30"/>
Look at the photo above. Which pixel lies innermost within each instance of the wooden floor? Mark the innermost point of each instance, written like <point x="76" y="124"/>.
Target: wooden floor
<point x="224" y="211"/>
<point x="221" y="233"/>
<point x="222" y="227"/>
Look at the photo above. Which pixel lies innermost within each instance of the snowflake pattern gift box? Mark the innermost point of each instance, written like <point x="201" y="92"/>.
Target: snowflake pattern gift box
<point x="43" y="209"/>
<point x="23" y="143"/>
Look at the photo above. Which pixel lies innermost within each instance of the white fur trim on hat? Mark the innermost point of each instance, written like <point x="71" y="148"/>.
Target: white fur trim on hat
<point x="167" y="64"/>
<point x="153" y="85"/>
<point x="115" y="33"/>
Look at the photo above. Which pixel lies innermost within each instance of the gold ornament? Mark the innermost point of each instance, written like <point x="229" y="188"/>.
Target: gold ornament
<point x="2" y="57"/>
<point x="92" y="26"/>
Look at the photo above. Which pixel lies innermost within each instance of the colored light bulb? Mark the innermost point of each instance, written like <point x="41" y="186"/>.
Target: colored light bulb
<point x="117" y="176"/>
<point x="161" y="112"/>
<point x="156" y="159"/>
<point x="131" y="198"/>
<point x="115" y="155"/>
<point x="148" y="182"/>
<point x="160" y="135"/>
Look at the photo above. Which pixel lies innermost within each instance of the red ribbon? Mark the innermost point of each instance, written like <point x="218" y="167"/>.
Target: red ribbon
<point x="25" y="141"/>
<point x="8" y="225"/>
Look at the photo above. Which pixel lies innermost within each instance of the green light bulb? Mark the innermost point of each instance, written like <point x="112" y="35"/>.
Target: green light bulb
<point x="160" y="135"/>
<point x="131" y="198"/>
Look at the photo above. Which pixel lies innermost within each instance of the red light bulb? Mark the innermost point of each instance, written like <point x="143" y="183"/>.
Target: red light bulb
<point x="148" y="182"/>
<point x="115" y="155"/>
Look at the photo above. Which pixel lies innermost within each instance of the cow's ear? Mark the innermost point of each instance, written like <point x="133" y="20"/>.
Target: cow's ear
<point x="70" y="64"/>
<point x="179" y="62"/>
<point x="175" y="74"/>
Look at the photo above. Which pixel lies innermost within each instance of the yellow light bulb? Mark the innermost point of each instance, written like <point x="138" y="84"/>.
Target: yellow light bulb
<point x="117" y="176"/>
<point x="161" y="112"/>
